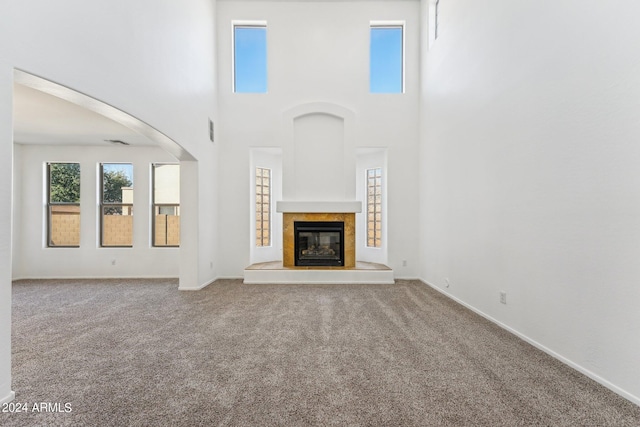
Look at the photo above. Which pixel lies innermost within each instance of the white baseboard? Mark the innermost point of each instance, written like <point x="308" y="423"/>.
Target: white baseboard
<point x="577" y="367"/>
<point x="196" y="288"/>
<point x="209" y="282"/>
<point x="8" y="398"/>
<point x="15" y="279"/>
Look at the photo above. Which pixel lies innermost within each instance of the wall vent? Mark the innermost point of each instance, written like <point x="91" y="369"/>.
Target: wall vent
<point x="117" y="141"/>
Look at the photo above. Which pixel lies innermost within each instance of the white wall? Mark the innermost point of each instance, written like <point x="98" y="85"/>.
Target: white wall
<point x="531" y="186"/>
<point x="318" y="52"/>
<point x="318" y="153"/>
<point x="32" y="257"/>
<point x="270" y="158"/>
<point x="370" y="158"/>
<point x="154" y="59"/>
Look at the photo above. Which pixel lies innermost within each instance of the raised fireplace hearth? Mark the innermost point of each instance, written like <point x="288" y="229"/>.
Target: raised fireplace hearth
<point x="319" y="243"/>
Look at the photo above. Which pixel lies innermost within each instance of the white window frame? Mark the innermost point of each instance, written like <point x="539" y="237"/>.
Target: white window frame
<point x="50" y="205"/>
<point x="244" y="23"/>
<point x="158" y="206"/>
<point x="393" y="24"/>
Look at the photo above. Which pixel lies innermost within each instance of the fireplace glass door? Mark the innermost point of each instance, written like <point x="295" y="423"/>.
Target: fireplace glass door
<point x="319" y="243"/>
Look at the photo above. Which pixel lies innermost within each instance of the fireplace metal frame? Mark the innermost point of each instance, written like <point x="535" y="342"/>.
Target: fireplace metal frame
<point x="315" y="226"/>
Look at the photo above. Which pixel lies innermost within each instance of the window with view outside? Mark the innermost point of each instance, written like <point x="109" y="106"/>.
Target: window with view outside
<point x="374" y="207"/>
<point x="386" y="59"/>
<point x="166" y="205"/>
<point x="63" y="204"/>
<point x="250" y="59"/>
<point x="263" y="207"/>
<point x="116" y="204"/>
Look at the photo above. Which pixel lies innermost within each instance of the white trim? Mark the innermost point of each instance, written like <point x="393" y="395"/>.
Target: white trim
<point x="571" y="364"/>
<point x="8" y="398"/>
<point x="319" y="207"/>
<point x="210" y="282"/>
<point x="104" y="109"/>
<point x="15" y="279"/>
<point x="391" y="23"/>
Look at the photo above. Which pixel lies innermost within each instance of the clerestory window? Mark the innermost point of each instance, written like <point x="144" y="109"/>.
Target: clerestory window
<point x="250" y="58"/>
<point x="386" y="58"/>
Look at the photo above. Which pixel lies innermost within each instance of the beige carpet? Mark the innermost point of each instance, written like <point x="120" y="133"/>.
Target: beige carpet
<point x="139" y="352"/>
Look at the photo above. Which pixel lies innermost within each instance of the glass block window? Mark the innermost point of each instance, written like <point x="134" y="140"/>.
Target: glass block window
<point x="374" y="207"/>
<point x="263" y="207"/>
<point x="63" y="204"/>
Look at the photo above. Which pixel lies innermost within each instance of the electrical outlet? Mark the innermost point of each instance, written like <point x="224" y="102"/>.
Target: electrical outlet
<point x="503" y="297"/>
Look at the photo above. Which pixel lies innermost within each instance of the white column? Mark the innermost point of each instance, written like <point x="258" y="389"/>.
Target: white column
<point x="6" y="177"/>
<point x="189" y="207"/>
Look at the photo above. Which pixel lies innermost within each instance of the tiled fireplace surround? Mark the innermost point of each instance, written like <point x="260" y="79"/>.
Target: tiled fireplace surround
<point x="288" y="237"/>
<point x="319" y="212"/>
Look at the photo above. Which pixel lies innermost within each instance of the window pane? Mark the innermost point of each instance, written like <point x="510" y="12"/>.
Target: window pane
<point x="263" y="207"/>
<point x="64" y="204"/>
<point x="374" y="207"/>
<point x="166" y="199"/>
<point x="250" y="59"/>
<point x="385" y="68"/>
<point x="117" y="183"/>
<point x="166" y="182"/>
<point x="64" y="225"/>
<point x="117" y="226"/>
<point x="64" y="183"/>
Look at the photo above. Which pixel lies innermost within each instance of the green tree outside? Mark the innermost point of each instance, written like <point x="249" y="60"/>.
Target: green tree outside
<point x="64" y="180"/>
<point x="113" y="181"/>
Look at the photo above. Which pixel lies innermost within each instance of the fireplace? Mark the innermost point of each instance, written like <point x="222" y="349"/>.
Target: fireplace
<point x="290" y="241"/>
<point x="319" y="243"/>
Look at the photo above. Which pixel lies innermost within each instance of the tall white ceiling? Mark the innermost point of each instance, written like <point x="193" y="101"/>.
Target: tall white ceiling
<point x="41" y="118"/>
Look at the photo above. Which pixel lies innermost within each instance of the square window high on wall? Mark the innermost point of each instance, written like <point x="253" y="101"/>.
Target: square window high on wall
<point x="386" y="57"/>
<point x="250" y="57"/>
